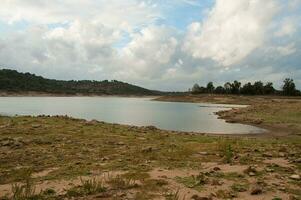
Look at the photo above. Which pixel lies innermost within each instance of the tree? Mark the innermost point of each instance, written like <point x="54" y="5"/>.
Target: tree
<point x="219" y="90"/>
<point x="268" y="88"/>
<point x="210" y="87"/>
<point x="227" y="87"/>
<point x="258" y="87"/>
<point x="196" y="89"/>
<point x="235" y="87"/>
<point x="289" y="87"/>
<point x="248" y="89"/>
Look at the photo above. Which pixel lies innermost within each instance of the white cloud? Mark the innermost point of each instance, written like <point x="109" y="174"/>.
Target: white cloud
<point x="287" y="27"/>
<point x="287" y="50"/>
<point x="125" y="14"/>
<point x="150" y="50"/>
<point x="294" y="4"/>
<point x="122" y="39"/>
<point x="232" y="31"/>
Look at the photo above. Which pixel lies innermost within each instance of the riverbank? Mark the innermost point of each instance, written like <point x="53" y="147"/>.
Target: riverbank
<point x="225" y="99"/>
<point x="281" y="115"/>
<point x="41" y="94"/>
<point x="62" y="157"/>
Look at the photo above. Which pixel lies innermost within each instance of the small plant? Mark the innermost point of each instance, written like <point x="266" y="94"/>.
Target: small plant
<point x="23" y="191"/>
<point x="227" y="150"/>
<point x="48" y="192"/>
<point x="87" y="187"/>
<point x="119" y="182"/>
<point x="92" y="186"/>
<point x="239" y="187"/>
<point x="193" y="181"/>
<point x="174" y="195"/>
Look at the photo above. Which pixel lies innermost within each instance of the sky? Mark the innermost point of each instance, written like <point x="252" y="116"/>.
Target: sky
<point x="158" y="44"/>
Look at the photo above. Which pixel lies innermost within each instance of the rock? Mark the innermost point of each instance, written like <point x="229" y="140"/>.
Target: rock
<point x="231" y="121"/>
<point x="281" y="154"/>
<point x="105" y="158"/>
<point x="120" y="143"/>
<point x="216" y="182"/>
<point x="293" y="197"/>
<point x="251" y="171"/>
<point x="269" y="170"/>
<point x="252" y="174"/>
<point x="36" y="125"/>
<point x="147" y="149"/>
<point x="203" y="153"/>
<point x="283" y="149"/>
<point x="150" y="128"/>
<point x="92" y="122"/>
<point x="256" y="190"/>
<point x="216" y="169"/>
<point x="257" y="121"/>
<point x="12" y="142"/>
<point x="297" y="160"/>
<point x="196" y="197"/>
<point x="295" y="177"/>
<point x="267" y="155"/>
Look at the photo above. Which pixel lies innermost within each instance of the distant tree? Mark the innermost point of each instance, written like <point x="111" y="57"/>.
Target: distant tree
<point x="248" y="89"/>
<point x="227" y="87"/>
<point x="196" y="89"/>
<point x="210" y="87"/>
<point x="219" y="90"/>
<point x="258" y="87"/>
<point x="268" y="88"/>
<point x="289" y="87"/>
<point x="235" y="87"/>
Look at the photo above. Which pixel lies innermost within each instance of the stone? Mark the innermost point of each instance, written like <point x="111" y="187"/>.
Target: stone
<point x="267" y="155"/>
<point x="295" y="177"/>
<point x="269" y="170"/>
<point x="252" y="174"/>
<point x="217" y="182"/>
<point x="256" y="190"/>
<point x="216" y="169"/>
<point x="147" y="149"/>
<point x="297" y="160"/>
<point x="196" y="197"/>
<point x="251" y="171"/>
<point x="203" y="153"/>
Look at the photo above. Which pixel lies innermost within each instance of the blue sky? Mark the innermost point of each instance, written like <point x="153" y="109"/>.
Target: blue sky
<point x="159" y="44"/>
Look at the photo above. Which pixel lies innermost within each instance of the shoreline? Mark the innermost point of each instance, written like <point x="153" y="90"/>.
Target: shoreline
<point x="230" y="116"/>
<point x="56" y="153"/>
<point x="149" y="127"/>
<point x="242" y="115"/>
<point x="67" y="95"/>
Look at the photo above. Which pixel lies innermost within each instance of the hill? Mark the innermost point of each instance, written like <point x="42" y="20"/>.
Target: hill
<point x="12" y="81"/>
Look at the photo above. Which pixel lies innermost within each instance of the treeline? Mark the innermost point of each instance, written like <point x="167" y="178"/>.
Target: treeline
<point x="256" y="88"/>
<point x="13" y="81"/>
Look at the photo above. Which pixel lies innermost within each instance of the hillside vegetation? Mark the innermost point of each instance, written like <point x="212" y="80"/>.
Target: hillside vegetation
<point x="12" y="81"/>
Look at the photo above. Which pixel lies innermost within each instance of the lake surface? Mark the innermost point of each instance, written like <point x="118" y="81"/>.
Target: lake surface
<point x="196" y="117"/>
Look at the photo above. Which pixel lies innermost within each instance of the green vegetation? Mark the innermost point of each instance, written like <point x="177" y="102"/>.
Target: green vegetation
<point x="87" y="187"/>
<point x="12" y="81"/>
<point x="258" y="88"/>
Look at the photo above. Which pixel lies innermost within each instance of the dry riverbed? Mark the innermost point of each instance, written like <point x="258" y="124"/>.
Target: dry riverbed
<point x="64" y="158"/>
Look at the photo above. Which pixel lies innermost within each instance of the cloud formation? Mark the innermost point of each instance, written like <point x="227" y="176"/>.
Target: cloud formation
<point x="131" y="40"/>
<point x="232" y="31"/>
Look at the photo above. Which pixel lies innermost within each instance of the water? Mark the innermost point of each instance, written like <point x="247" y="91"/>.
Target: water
<point x="196" y="117"/>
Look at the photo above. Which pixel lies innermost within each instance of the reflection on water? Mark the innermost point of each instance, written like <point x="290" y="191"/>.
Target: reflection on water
<point x="132" y="111"/>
